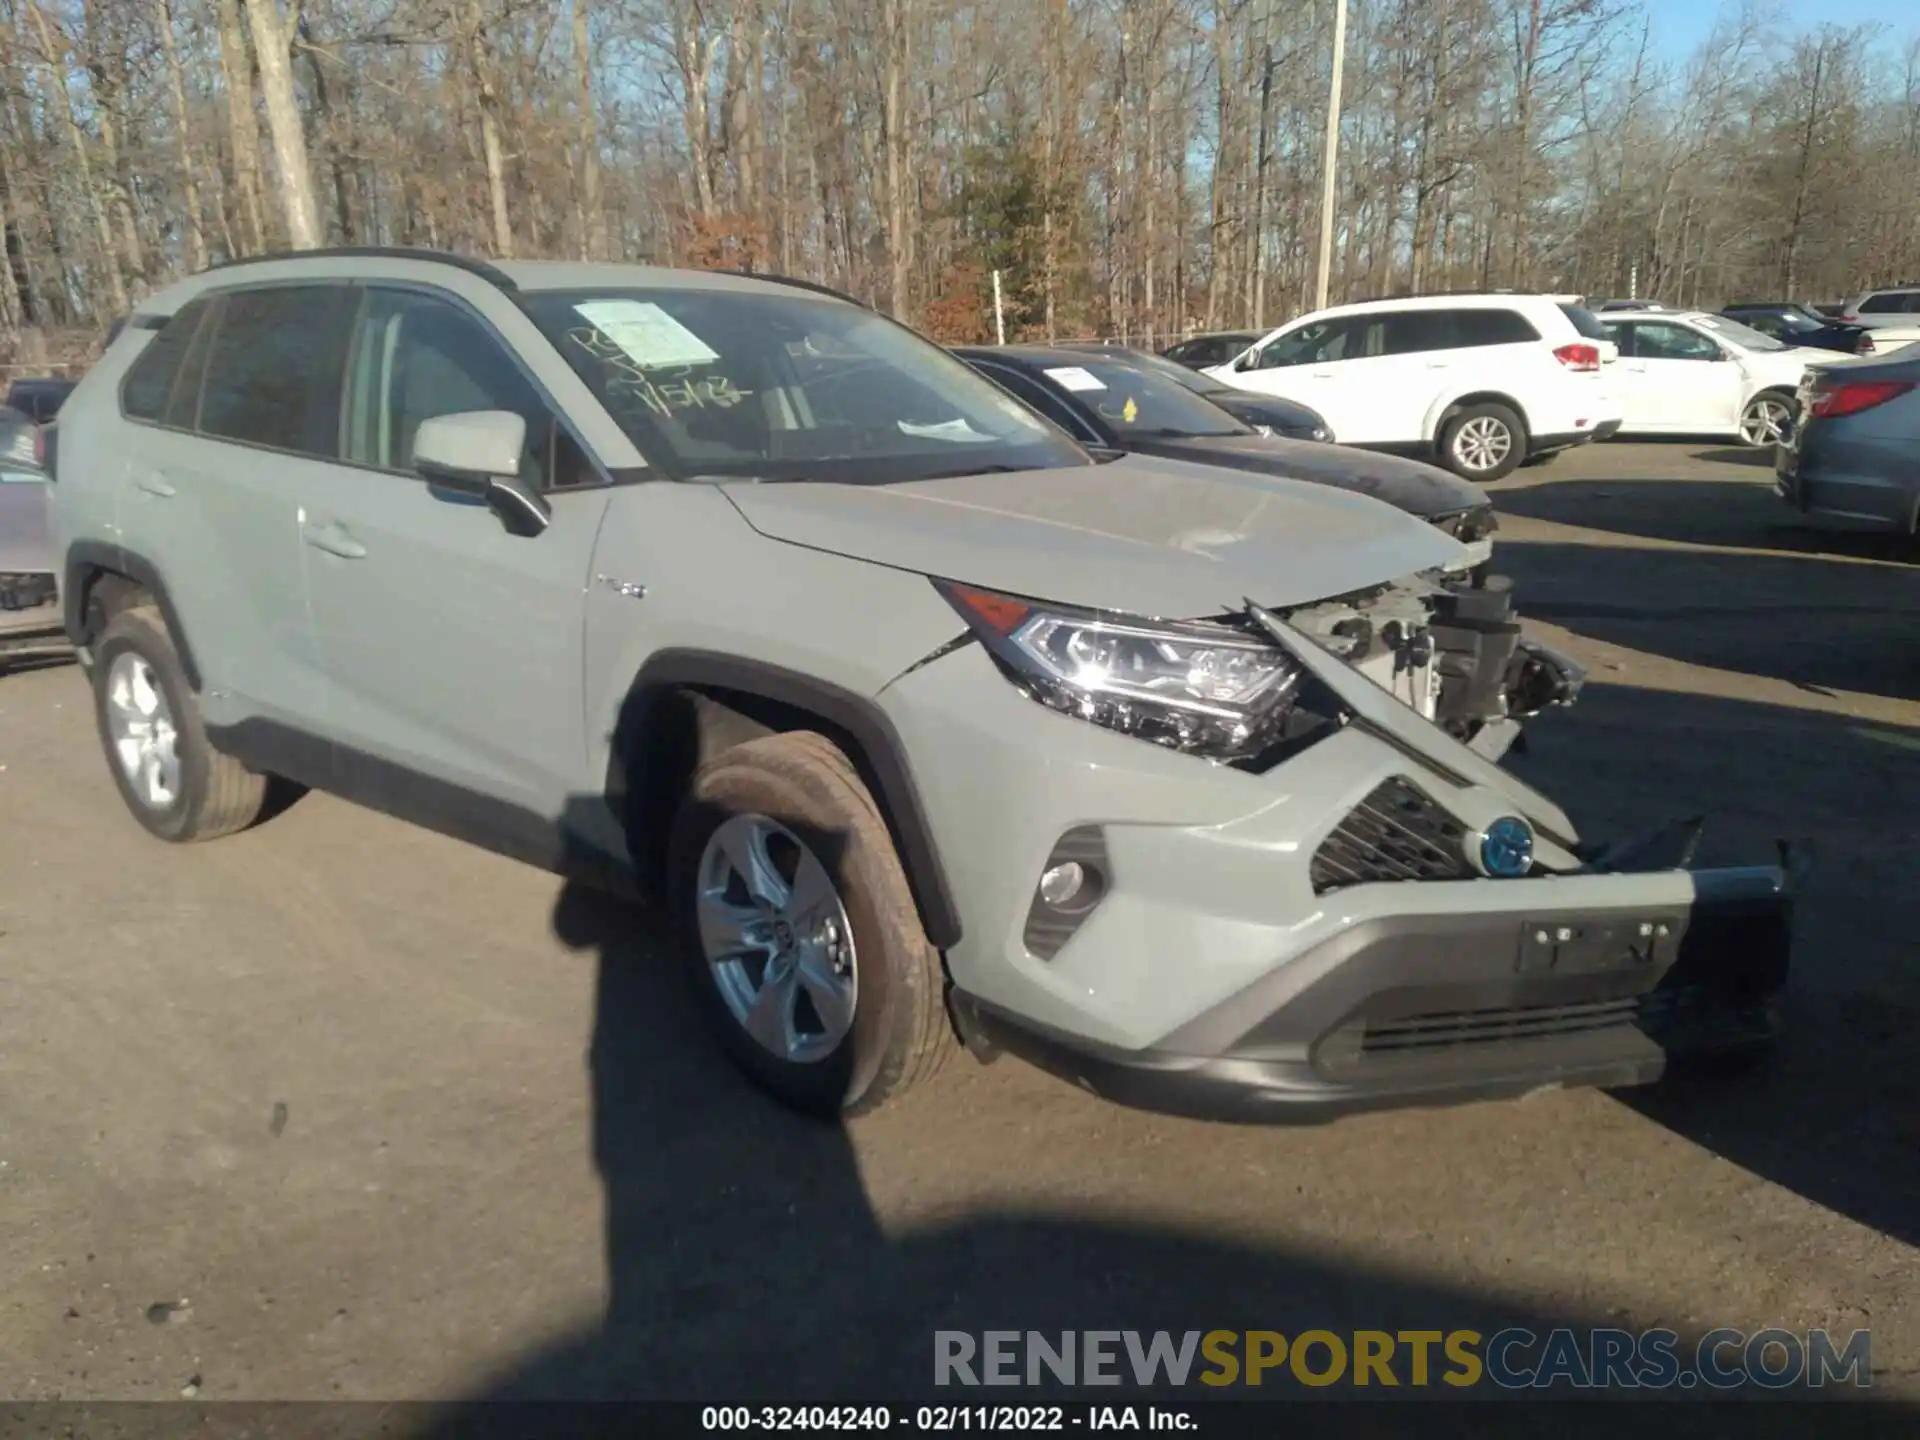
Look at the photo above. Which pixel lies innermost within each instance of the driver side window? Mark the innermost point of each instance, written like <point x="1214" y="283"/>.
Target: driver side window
<point x="1318" y="343"/>
<point x="1672" y="342"/>
<point x="415" y="358"/>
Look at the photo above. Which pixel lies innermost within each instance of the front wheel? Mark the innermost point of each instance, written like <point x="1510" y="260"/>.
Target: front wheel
<point x="1483" y="442"/>
<point x="173" y="780"/>
<point x="798" y="932"/>
<point x="1764" y="422"/>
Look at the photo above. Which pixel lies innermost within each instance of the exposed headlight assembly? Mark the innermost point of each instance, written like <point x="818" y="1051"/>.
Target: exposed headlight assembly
<point x="1208" y="689"/>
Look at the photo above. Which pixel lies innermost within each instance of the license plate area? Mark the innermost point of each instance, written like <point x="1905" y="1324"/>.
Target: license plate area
<point x="1645" y="943"/>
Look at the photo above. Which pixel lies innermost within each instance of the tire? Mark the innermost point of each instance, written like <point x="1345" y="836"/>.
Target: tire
<point x="1761" y="418"/>
<point x="1483" y="442"/>
<point x="779" y="800"/>
<point x="137" y="680"/>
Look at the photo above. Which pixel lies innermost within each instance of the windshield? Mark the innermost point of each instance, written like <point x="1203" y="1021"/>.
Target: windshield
<point x="1745" y="336"/>
<point x="1138" y="402"/>
<point x="788" y="387"/>
<point x="1584" y="323"/>
<point x="1196" y="381"/>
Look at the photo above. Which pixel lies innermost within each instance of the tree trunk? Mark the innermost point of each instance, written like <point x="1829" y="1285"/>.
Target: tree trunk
<point x="196" y="237"/>
<point x="595" y="238"/>
<point x="55" y="56"/>
<point x="272" y="43"/>
<point x="487" y="96"/>
<point x="895" y="28"/>
<point x="250" y="176"/>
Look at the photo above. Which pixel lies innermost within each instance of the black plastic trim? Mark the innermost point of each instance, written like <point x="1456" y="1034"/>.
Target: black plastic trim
<point x="882" y="760"/>
<point x="433" y="804"/>
<point x="492" y="274"/>
<point x="92" y="555"/>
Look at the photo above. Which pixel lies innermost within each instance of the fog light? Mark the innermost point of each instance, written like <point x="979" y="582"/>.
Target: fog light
<point x="1062" y="883"/>
<point x="1506" y="847"/>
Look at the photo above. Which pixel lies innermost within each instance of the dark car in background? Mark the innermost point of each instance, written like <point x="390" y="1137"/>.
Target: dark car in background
<point x="1271" y="414"/>
<point x="1106" y="399"/>
<point x="40" y="399"/>
<point x="1849" y="459"/>
<point x="1216" y="349"/>
<point x="1793" y="324"/>
<point x="26" y="539"/>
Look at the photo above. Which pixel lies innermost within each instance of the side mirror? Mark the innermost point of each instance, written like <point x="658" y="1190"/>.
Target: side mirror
<point x="477" y="453"/>
<point x="1248" y="360"/>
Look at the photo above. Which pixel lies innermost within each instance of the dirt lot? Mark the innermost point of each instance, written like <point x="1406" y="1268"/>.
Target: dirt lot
<point x="340" y="1108"/>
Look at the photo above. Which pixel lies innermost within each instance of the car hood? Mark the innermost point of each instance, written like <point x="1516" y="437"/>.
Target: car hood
<point x="1788" y="362"/>
<point x="1423" y="490"/>
<point x="1266" y="410"/>
<point x="1141" y="535"/>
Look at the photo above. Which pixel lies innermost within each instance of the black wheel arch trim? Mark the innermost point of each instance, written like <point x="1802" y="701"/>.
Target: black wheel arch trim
<point x="86" y="561"/>
<point x="882" y="761"/>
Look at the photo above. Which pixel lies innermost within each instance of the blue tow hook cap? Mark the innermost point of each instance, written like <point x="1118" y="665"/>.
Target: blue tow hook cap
<point x="1506" y="848"/>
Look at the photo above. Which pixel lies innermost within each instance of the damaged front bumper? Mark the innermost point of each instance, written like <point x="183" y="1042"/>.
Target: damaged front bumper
<point x="1577" y="981"/>
<point x="1492" y="676"/>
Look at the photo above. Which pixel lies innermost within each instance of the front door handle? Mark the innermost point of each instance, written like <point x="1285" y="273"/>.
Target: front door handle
<point x="1437" y="364"/>
<point x="155" y="485"/>
<point x="334" y="540"/>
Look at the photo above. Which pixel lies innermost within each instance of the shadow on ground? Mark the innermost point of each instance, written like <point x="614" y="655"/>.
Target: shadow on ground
<point x="1835" y="1114"/>
<point x="1817" y="623"/>
<point x="1741" y="511"/>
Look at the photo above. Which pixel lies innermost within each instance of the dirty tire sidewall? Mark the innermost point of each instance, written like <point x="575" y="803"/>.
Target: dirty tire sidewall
<point x="1516" y="442"/>
<point x="900" y="1032"/>
<point x="142" y="632"/>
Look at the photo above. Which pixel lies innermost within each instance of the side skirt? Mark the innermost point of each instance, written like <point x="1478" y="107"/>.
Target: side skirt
<point x="550" y="844"/>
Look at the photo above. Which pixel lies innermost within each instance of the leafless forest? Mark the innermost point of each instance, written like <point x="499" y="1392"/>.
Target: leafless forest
<point x="1136" y="167"/>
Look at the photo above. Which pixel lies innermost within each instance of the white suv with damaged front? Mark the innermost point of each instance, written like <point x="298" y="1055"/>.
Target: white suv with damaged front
<point x="931" y="729"/>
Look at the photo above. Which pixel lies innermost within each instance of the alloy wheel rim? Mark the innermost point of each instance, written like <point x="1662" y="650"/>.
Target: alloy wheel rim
<point x="776" y="938"/>
<point x="1764" y="422"/>
<point x="1482" y="443"/>
<point x="141" y="725"/>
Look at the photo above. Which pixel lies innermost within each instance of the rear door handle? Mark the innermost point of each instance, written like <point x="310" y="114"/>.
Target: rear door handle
<point x="1437" y="364"/>
<point x="334" y="540"/>
<point x="155" y="485"/>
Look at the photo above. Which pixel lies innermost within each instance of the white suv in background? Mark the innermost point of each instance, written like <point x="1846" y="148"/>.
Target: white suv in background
<point x="1889" y="305"/>
<point x="1483" y="382"/>
<point x="1685" y="372"/>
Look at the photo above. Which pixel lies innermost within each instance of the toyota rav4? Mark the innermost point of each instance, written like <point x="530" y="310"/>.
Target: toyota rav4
<point x="928" y="726"/>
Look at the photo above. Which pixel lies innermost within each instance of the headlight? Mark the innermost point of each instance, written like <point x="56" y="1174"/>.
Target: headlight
<point x="1208" y="689"/>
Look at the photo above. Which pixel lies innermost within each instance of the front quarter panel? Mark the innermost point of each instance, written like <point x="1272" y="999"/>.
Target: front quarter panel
<point x="707" y="581"/>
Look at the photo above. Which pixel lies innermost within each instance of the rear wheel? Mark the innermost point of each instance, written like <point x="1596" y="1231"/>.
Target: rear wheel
<point x="172" y="779"/>
<point x="798" y="932"/>
<point x="1765" y="418"/>
<point x="1483" y="442"/>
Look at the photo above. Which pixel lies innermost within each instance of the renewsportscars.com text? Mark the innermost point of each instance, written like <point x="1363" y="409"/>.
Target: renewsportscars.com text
<point x="1512" y="1359"/>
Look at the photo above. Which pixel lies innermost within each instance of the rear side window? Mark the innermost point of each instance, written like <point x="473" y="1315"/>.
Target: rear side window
<point x="273" y="372"/>
<point x="1586" y="322"/>
<point x="1887" y="302"/>
<point x="1409" y="332"/>
<point x="1491" y="327"/>
<point x="150" y="379"/>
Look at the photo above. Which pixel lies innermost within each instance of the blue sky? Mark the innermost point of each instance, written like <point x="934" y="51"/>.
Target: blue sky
<point x="1680" y="25"/>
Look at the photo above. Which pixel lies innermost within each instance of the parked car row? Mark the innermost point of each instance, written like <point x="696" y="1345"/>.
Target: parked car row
<point x="930" y="719"/>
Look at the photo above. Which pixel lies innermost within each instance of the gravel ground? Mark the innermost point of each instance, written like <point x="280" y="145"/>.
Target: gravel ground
<point x="338" y="1108"/>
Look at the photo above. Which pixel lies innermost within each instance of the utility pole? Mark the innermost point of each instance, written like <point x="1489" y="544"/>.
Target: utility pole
<point x="1330" y="164"/>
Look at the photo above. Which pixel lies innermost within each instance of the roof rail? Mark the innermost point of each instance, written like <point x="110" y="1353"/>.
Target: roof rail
<point x="815" y="286"/>
<point x="490" y="273"/>
<point x="1443" y="294"/>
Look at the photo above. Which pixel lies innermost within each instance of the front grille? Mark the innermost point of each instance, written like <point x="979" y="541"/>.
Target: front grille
<point x="1664" y="1012"/>
<point x="1399" y="832"/>
<point x="1447" y="1028"/>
